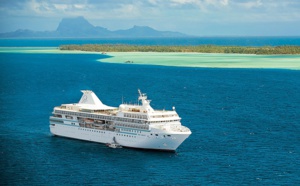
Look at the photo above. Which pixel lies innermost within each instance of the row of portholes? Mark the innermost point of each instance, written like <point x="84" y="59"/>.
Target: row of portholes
<point x="125" y="135"/>
<point x="129" y="130"/>
<point x="98" y="131"/>
<point x="163" y="135"/>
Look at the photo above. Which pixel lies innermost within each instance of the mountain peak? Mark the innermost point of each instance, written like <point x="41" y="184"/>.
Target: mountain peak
<point x="70" y="24"/>
<point x="142" y="27"/>
<point x="79" y="27"/>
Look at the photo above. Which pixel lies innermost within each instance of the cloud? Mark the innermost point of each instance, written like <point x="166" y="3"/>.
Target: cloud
<point x="201" y="3"/>
<point x="131" y="8"/>
<point x="183" y="15"/>
<point x="250" y="4"/>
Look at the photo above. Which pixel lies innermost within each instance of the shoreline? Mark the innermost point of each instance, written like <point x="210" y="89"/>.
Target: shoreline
<point x="179" y="59"/>
<point x="263" y="50"/>
<point x="205" y="60"/>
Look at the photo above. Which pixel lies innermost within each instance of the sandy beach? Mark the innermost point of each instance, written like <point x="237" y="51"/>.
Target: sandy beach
<point x="204" y="60"/>
<point x="207" y="60"/>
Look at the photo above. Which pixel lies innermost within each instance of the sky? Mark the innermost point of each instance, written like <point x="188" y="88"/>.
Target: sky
<point x="192" y="17"/>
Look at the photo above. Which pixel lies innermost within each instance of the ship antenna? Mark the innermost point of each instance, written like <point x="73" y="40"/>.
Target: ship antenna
<point x="140" y="96"/>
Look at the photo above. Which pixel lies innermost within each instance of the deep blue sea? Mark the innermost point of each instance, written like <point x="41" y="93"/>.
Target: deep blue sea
<point x="245" y="123"/>
<point x="232" y="41"/>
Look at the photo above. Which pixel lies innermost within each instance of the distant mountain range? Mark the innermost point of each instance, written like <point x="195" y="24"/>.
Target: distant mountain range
<point x="80" y="27"/>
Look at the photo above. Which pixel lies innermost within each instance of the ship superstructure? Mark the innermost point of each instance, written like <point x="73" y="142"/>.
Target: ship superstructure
<point x="129" y="125"/>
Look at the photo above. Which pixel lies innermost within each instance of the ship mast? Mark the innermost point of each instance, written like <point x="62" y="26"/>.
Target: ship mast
<point x="145" y="103"/>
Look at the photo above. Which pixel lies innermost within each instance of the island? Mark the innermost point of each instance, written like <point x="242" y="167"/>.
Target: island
<point x="264" y="50"/>
<point x="175" y="59"/>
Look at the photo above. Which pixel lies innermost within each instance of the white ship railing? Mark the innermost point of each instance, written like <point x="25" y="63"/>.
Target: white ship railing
<point x="101" y="117"/>
<point x="181" y="129"/>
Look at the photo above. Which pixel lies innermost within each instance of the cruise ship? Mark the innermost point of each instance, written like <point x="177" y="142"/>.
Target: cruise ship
<point x="129" y="125"/>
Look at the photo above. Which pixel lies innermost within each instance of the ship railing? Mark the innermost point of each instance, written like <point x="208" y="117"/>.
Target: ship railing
<point x="146" y="127"/>
<point x="181" y="129"/>
<point x="185" y="129"/>
<point x="164" y="116"/>
<point x="105" y="127"/>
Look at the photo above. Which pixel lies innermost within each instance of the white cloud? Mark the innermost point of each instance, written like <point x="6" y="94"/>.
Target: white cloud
<point x="224" y="2"/>
<point x="216" y="2"/>
<point x="80" y="6"/>
<point x="201" y="3"/>
<point x="127" y="11"/>
<point x="185" y="1"/>
<point x="162" y="14"/>
<point x="61" y="7"/>
<point x="251" y="4"/>
<point x="153" y="2"/>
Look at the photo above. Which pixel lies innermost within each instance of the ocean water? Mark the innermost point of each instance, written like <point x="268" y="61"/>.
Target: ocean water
<point x="245" y="123"/>
<point x="233" y="41"/>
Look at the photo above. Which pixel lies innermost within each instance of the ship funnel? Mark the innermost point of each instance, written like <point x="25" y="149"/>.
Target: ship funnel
<point x="89" y="97"/>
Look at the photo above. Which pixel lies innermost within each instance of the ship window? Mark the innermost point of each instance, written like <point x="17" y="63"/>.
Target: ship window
<point x="156" y="134"/>
<point x="169" y="135"/>
<point x="69" y="117"/>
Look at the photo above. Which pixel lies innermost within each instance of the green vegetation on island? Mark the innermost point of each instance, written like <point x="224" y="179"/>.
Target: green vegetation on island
<point x="265" y="50"/>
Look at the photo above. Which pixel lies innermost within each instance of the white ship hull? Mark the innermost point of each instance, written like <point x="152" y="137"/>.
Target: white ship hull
<point x="143" y="140"/>
<point x="135" y="126"/>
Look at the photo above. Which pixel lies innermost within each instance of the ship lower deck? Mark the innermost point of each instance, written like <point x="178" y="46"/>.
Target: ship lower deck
<point x="127" y="138"/>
